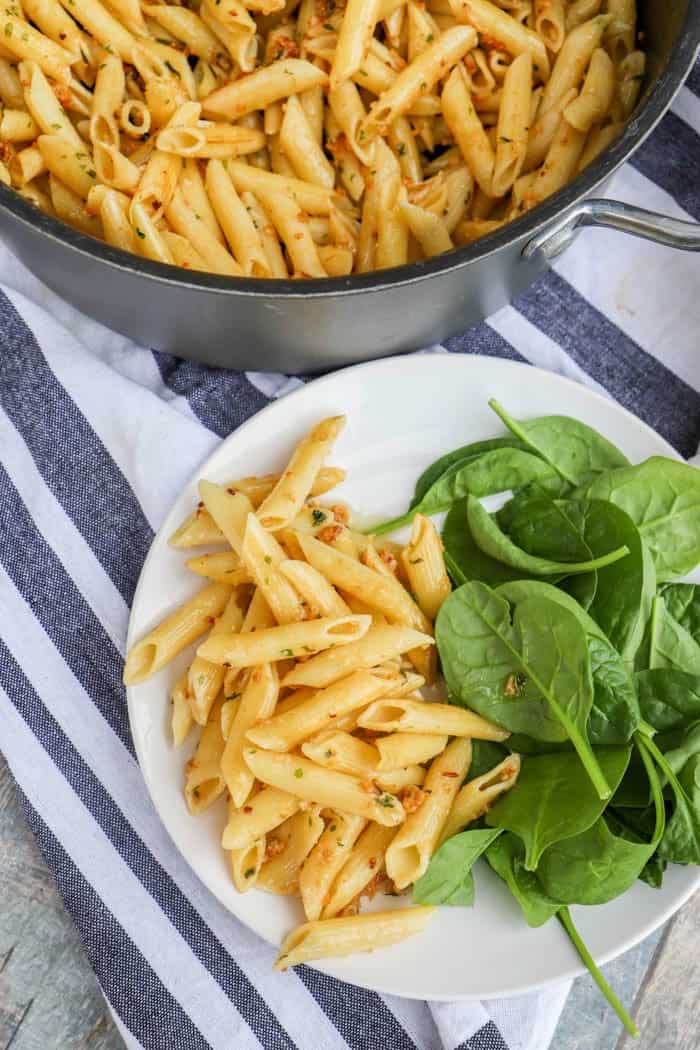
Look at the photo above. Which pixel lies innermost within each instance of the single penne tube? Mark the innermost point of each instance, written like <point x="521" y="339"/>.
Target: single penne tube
<point x="293" y="230"/>
<point x="235" y="220"/>
<point x="428" y="229"/>
<point x="175" y="632"/>
<point x="596" y="96"/>
<point x="358" y="933"/>
<point x="326" y="859"/>
<point x="398" y="750"/>
<point x="348" y="110"/>
<point x="181" y="720"/>
<point x="337" y="749"/>
<point x="409" y="853"/>
<point x="380" y="643"/>
<point x="204" y="679"/>
<point x="542" y="132"/>
<point x="289" y="846"/>
<point x="630" y="75"/>
<point x="283" y="642"/>
<point x="257" y="702"/>
<point x="300" y="146"/>
<point x="513" y="125"/>
<point x="397" y="780"/>
<point x="467" y="128"/>
<point x="282" y="732"/>
<point x="490" y="21"/>
<point x="43" y="105"/>
<point x="478" y="795"/>
<point x="27" y="44"/>
<point x="597" y="140"/>
<point x="572" y="60"/>
<point x="260" y="555"/>
<point x="268" y="84"/>
<point x="268" y="235"/>
<point x="258" y="615"/>
<point x="364" y="865"/>
<point x="559" y="166"/>
<point x="412" y="716"/>
<point x="579" y="11"/>
<point x="285" y="501"/>
<point x="210" y="141"/>
<point x="383" y="593"/>
<point x="102" y="25"/>
<point x="316" y="591"/>
<point x="195" y="193"/>
<point x="316" y="200"/>
<point x="418" y="78"/>
<point x="257" y="489"/>
<point x="11" y="92"/>
<point x="246" y="864"/>
<point x="229" y="511"/>
<point x="550" y="22"/>
<point x="118" y="230"/>
<point x="224" y="568"/>
<point x="306" y="780"/>
<point x="403" y="143"/>
<point x="356" y="31"/>
<point x="189" y="224"/>
<point x="73" y="167"/>
<point x="424" y="564"/>
<point x="203" y="782"/>
<point x="17" y="125"/>
<point x="149" y="238"/>
<point x="266" y="810"/>
<point x="187" y="26"/>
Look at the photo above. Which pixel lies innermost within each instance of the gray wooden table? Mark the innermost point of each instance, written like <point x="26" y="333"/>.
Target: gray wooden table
<point x="50" y="1000"/>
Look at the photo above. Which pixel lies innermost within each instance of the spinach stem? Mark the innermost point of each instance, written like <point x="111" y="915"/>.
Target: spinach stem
<point x="641" y="741"/>
<point x="458" y="577"/>
<point x="567" y="922"/>
<point x="392" y="524"/>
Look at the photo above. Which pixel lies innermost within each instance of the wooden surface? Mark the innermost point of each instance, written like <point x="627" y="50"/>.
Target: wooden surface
<point x="50" y="1000"/>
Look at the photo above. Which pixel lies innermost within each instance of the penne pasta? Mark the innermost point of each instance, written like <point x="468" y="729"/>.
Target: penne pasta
<point x="478" y="795"/>
<point x="304" y="779"/>
<point x="174" y="633"/>
<point x="204" y="783"/>
<point x="409" y="852"/>
<point x="364" y="865"/>
<point x="326" y="859"/>
<point x="315" y="590"/>
<point x="339" y="937"/>
<point x="289" y="846"/>
<point x="205" y="679"/>
<point x="411" y="716"/>
<point x="283" y="642"/>
<point x="424" y="565"/>
<point x="181" y="720"/>
<point x="266" y="810"/>
<point x="379" y="644"/>
<point x="284" y="731"/>
<point x="398" y="750"/>
<point x="246" y="864"/>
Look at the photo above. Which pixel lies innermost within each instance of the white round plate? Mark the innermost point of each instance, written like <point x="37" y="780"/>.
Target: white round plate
<point x="402" y="414"/>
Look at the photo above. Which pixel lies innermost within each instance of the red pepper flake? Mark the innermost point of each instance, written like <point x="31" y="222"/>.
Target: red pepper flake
<point x="449" y="773"/>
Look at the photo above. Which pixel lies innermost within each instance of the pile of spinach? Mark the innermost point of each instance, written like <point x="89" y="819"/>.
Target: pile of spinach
<point x="567" y="628"/>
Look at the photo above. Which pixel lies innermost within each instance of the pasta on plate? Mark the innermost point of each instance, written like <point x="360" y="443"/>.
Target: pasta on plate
<point x="340" y="778"/>
<point x="306" y="138"/>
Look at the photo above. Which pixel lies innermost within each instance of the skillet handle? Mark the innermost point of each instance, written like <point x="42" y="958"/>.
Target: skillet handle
<point x="617" y="216"/>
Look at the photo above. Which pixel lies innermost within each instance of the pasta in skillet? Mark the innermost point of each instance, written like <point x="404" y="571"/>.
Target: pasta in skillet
<point x="306" y="138"/>
<point x="338" y="777"/>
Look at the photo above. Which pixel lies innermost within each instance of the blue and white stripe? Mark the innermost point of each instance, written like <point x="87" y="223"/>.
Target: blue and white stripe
<point x="78" y="510"/>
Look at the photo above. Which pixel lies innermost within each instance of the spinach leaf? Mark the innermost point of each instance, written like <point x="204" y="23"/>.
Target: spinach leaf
<point x="553" y="799"/>
<point x="497" y="545"/>
<point x="532" y="676"/>
<point x="603" y="861"/>
<point x="615" y="712"/>
<point x="625" y="590"/>
<point x="463" y="554"/>
<point x="666" y="644"/>
<point x="431" y="474"/>
<point x="582" y="588"/>
<point x="506" y="856"/>
<point x="662" y="497"/>
<point x="683" y="604"/>
<point x="448" y="879"/>
<point x="680" y="746"/>
<point x="575" y="450"/>
<point x="668" y="699"/>
<point x="542" y="527"/>
<point x="653" y="871"/>
<point x="588" y="961"/>
<point x="681" y="839"/>
<point x="496" y="471"/>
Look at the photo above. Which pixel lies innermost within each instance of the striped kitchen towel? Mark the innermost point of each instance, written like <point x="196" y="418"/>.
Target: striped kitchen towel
<point x="97" y="436"/>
